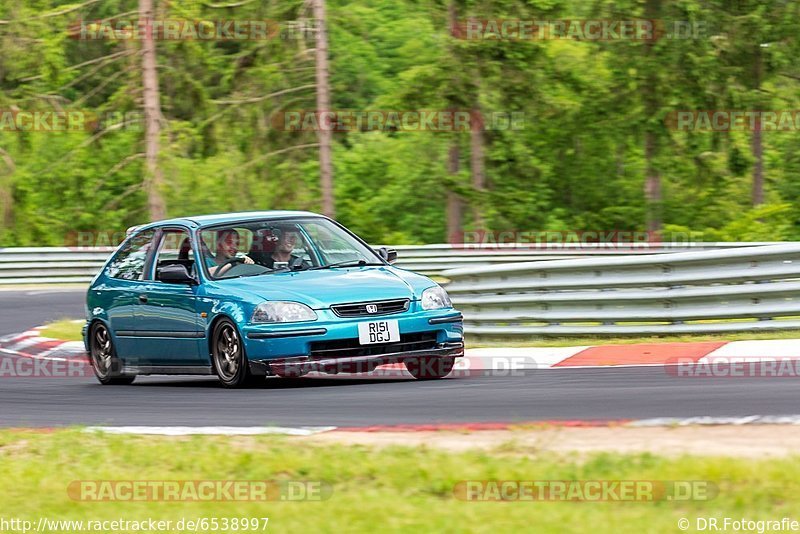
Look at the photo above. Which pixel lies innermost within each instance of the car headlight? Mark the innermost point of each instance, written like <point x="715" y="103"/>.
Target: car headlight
<point x="435" y="298"/>
<point x="283" y="312"/>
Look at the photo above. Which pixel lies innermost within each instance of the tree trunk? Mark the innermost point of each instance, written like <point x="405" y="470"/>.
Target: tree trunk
<point x="6" y="190"/>
<point x="323" y="104"/>
<point x="476" y="159"/>
<point x="758" y="166"/>
<point x="454" y="204"/>
<point x="652" y="185"/>
<point x="756" y="142"/>
<point x="152" y="117"/>
<point x="6" y="208"/>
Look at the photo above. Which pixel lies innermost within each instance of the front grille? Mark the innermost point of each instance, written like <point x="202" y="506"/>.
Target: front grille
<point x="379" y="307"/>
<point x="347" y="348"/>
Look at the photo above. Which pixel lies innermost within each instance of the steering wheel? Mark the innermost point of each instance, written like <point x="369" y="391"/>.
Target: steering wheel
<point x="225" y="266"/>
<point x="297" y="264"/>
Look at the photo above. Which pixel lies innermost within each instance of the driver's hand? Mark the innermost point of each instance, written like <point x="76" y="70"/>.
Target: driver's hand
<point x="248" y="260"/>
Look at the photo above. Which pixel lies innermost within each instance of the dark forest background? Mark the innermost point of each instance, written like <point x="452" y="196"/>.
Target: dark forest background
<point x="595" y="152"/>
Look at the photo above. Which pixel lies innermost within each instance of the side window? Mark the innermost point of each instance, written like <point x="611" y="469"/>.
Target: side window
<point x="128" y="264"/>
<point x="175" y="249"/>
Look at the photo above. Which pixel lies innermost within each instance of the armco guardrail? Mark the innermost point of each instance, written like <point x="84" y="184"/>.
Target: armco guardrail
<point x="433" y="259"/>
<point x="50" y="265"/>
<point x="78" y="265"/>
<point x="738" y="289"/>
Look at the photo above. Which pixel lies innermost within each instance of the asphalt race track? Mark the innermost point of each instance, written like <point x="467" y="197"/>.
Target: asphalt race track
<point x="549" y="394"/>
<point x="546" y="394"/>
<point x="20" y="310"/>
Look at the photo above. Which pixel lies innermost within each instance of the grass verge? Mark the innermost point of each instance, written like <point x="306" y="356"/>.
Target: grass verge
<point x="64" y="329"/>
<point x="400" y="489"/>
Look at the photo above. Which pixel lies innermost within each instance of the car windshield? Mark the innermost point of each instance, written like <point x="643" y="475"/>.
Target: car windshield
<point x="268" y="246"/>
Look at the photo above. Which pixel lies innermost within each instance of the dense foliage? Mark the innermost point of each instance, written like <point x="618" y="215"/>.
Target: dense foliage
<point x="580" y="162"/>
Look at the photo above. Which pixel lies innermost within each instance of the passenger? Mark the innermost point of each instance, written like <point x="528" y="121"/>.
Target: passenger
<point x="287" y="240"/>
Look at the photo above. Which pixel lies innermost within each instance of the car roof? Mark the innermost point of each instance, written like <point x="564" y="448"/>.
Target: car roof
<point x="222" y="218"/>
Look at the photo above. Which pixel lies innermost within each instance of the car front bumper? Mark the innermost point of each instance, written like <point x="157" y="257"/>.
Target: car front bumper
<point x="292" y="346"/>
<point x="353" y="364"/>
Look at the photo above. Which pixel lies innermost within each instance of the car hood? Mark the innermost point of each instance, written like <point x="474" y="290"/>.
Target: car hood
<point x="320" y="289"/>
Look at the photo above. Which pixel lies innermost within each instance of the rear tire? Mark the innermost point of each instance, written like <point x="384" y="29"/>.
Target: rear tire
<point x="430" y="368"/>
<point x="228" y="356"/>
<point x="103" y="357"/>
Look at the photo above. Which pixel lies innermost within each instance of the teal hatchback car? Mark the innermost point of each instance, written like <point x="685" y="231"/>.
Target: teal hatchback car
<point x="249" y="295"/>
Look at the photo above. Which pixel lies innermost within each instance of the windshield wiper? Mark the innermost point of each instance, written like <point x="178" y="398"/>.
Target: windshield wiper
<point x="348" y="263"/>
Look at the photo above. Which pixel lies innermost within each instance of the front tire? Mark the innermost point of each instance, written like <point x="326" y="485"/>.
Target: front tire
<point x="103" y="356"/>
<point x="227" y="353"/>
<point x="430" y="368"/>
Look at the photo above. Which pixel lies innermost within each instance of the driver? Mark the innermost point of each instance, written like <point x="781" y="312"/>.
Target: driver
<point x="227" y="249"/>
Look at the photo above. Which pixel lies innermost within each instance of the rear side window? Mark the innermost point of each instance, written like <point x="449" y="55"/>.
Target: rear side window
<point x="128" y="264"/>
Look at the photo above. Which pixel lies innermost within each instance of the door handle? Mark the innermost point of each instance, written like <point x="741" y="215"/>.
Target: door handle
<point x="143" y="299"/>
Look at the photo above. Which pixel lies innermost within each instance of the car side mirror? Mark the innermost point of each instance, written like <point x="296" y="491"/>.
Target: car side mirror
<point x="175" y="274"/>
<point x="389" y="255"/>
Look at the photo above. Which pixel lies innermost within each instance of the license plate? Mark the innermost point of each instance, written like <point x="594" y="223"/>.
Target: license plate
<point x="378" y="332"/>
